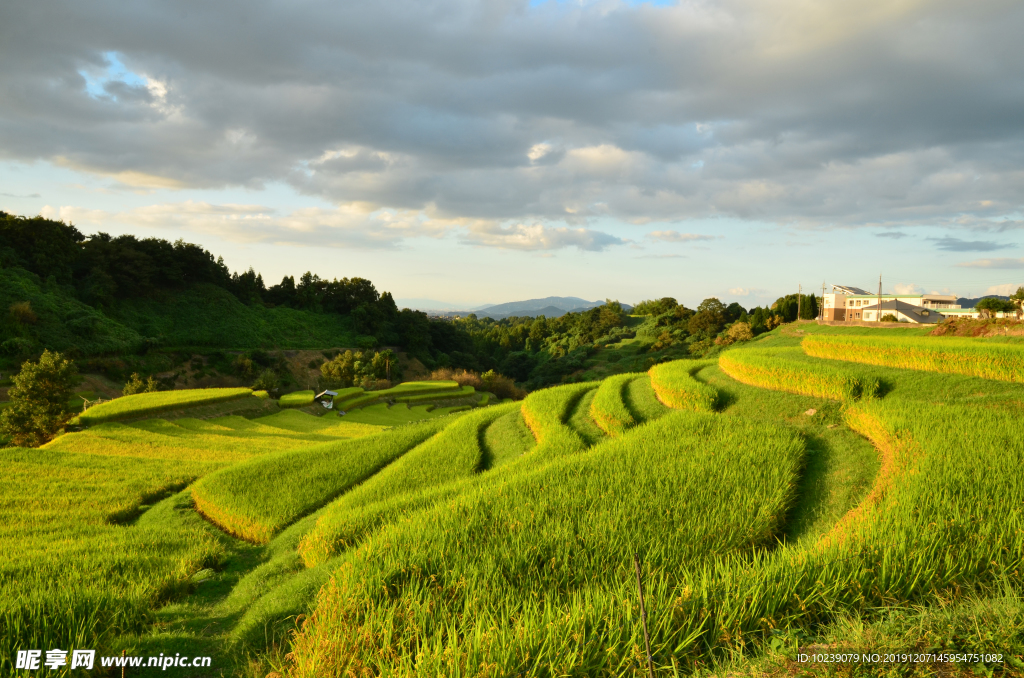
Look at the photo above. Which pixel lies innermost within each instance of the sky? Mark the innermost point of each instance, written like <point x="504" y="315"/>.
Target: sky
<point x="476" y="152"/>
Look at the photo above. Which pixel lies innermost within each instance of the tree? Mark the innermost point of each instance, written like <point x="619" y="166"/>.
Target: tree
<point x="740" y="331"/>
<point x="989" y="306"/>
<point x="1018" y="300"/>
<point x="889" y="318"/>
<point x="136" y="385"/>
<point x="39" y="400"/>
<point x="655" y="307"/>
<point x="710" y="318"/>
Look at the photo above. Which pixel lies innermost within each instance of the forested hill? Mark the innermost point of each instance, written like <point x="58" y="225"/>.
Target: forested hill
<point x="117" y="296"/>
<point x="101" y="294"/>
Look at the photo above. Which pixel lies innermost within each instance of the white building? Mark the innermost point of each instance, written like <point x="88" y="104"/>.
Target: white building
<point x="847" y="303"/>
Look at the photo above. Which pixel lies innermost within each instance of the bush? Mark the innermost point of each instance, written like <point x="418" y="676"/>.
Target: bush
<point x="39" y="400"/>
<point x="136" y="385"/>
<point x="22" y="313"/>
<point x="17" y="346"/>
<point x="266" y="381"/>
<point x="498" y="384"/>
<point x="890" y="318"/>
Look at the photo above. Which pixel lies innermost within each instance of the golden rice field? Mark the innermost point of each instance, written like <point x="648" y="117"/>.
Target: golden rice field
<point x="970" y="357"/>
<point x="784" y="496"/>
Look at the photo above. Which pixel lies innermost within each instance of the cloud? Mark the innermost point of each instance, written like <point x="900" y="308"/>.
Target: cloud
<point x="676" y="236"/>
<point x="958" y="245"/>
<point x="994" y="263"/>
<point x="357" y="226"/>
<point x="12" y="195"/>
<point x="539" y="237"/>
<point x="746" y="291"/>
<point x="895" y="235"/>
<point x="872" y="113"/>
<point x="662" y="256"/>
<point x="1003" y="290"/>
<point x="907" y="288"/>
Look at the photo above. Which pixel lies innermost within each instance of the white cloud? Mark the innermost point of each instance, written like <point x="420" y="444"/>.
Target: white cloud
<point x="1004" y="290"/>
<point x="907" y="288"/>
<point x="676" y="236"/>
<point x="746" y="291"/>
<point x="539" y="237"/>
<point x="1001" y="262"/>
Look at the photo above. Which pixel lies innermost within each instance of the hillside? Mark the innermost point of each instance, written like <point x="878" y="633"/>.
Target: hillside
<point x="867" y="498"/>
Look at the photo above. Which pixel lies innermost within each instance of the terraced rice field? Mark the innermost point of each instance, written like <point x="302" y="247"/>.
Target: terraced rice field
<point x="772" y="499"/>
<point x="149" y="403"/>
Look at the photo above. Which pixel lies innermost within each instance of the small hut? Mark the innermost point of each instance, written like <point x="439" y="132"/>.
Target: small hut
<point x="326" y="398"/>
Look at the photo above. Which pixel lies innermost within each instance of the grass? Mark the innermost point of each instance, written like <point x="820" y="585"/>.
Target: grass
<point x="642" y="401"/>
<point x="508" y="438"/>
<point x="71" y="576"/>
<point x="412" y="480"/>
<point x="970" y="357"/>
<point x="841" y="465"/>
<point x="383" y="414"/>
<point x="256" y="499"/>
<point x="608" y="407"/>
<point x="143" y="404"/>
<point x="675" y="386"/>
<point x="553" y="546"/>
<point x="463" y="392"/>
<point x="779" y="520"/>
<point x="406" y="388"/>
<point x="787" y="369"/>
<point x="225" y="439"/>
<point x="297" y="399"/>
<point x="582" y="423"/>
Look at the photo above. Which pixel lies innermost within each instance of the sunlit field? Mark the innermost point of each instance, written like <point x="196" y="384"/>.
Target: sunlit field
<point x="790" y="492"/>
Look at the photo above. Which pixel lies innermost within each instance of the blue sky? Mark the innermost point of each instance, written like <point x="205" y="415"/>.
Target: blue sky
<point x="485" y="152"/>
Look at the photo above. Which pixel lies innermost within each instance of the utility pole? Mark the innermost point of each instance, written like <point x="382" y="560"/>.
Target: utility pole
<point x="821" y="307"/>
<point x="799" y="295"/>
<point x="878" y="318"/>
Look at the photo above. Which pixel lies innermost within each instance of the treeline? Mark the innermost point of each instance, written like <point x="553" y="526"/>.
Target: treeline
<point x="102" y="269"/>
<point x="110" y="275"/>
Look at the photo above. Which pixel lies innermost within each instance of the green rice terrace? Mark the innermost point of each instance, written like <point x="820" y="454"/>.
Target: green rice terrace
<point x="812" y="490"/>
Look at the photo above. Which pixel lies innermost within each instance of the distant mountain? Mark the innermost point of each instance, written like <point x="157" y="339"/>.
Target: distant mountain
<point x="428" y="305"/>
<point x="552" y="307"/>
<point x="561" y="304"/>
<point x="965" y="302"/>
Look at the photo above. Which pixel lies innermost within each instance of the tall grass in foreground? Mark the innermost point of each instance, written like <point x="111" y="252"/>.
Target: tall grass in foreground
<point x="70" y="577"/>
<point x="525" y="575"/>
<point x="254" y="500"/>
<point x="1004" y="362"/>
<point x="788" y="369"/>
<point x="142" y="404"/>
<point x="608" y="408"/>
<point x="675" y="385"/>
<point x="412" y="480"/>
<point x="533" y="577"/>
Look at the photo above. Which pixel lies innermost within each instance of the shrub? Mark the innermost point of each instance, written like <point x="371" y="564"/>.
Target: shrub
<point x="498" y="384"/>
<point x="740" y="331"/>
<point x="136" y="385"/>
<point x="501" y="386"/>
<point x="267" y="381"/>
<point x="22" y="313"/>
<point x="891" y="318"/>
<point x="39" y="400"/>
